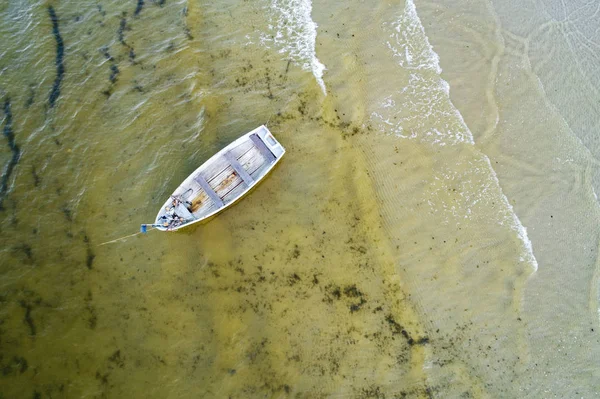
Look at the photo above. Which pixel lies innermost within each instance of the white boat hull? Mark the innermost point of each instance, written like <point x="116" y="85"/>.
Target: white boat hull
<point x="222" y="180"/>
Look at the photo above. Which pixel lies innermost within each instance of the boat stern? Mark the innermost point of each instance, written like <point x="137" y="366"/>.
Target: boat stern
<point x="274" y="146"/>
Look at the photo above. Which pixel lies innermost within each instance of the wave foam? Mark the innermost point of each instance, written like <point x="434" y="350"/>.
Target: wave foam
<point x="420" y="111"/>
<point x="295" y="34"/>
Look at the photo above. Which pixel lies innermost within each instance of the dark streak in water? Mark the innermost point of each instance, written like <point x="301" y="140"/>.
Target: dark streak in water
<point x="114" y="70"/>
<point x="121" y="33"/>
<point x="67" y="213"/>
<point x="101" y="10"/>
<point x="122" y="27"/>
<point x="398" y="329"/>
<point x="31" y="97"/>
<point x="90" y="254"/>
<point x="16" y="152"/>
<point x="60" y="54"/>
<point x="90" y="258"/>
<point x="18" y="365"/>
<point x="25" y="249"/>
<point x="138" y="88"/>
<point x="28" y="319"/>
<point x="36" y="177"/>
<point x="186" y="29"/>
<point x="106" y="54"/>
<point x="138" y="8"/>
<point x="93" y="316"/>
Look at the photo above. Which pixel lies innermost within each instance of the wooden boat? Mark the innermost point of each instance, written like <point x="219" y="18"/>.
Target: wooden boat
<point x="222" y="180"/>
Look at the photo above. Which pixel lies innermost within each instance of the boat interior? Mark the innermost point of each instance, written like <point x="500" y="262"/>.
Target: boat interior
<point x="223" y="179"/>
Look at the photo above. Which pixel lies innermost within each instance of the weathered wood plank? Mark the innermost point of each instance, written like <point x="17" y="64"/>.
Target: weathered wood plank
<point x="253" y="163"/>
<point x="228" y="170"/>
<point x="234" y="186"/>
<point x="262" y="147"/>
<point x="227" y="181"/>
<point x="253" y="160"/>
<point x="239" y="169"/>
<point x="214" y="169"/>
<point x="205" y="209"/>
<point x="217" y="166"/>
<point x="223" y="179"/>
<point x="241" y="149"/>
<point x="247" y="155"/>
<point x="208" y="190"/>
<point x="234" y="194"/>
<point x="259" y="172"/>
<point x="197" y="197"/>
<point x="199" y="201"/>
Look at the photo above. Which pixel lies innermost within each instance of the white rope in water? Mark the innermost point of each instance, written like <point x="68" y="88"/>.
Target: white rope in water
<point x="122" y="238"/>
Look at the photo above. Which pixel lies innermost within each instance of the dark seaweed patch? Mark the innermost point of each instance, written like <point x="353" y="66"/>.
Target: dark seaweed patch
<point x="14" y="148"/>
<point x="92" y="317"/>
<point x="31" y="97"/>
<point x="332" y="292"/>
<point x="106" y="54"/>
<point x="257" y="349"/>
<point x="101" y="10"/>
<point x="36" y="177"/>
<point x="138" y="7"/>
<point x="137" y="87"/>
<point x="90" y="258"/>
<point x="122" y="27"/>
<point x="25" y="249"/>
<point x="355" y="307"/>
<point x="114" y="70"/>
<point x="116" y="359"/>
<point x="16" y="365"/>
<point x="352" y="291"/>
<point x="315" y="279"/>
<point x="398" y="329"/>
<point x="67" y="213"/>
<point x="121" y="34"/>
<point x="296" y="252"/>
<point x="28" y="319"/>
<point x="186" y="29"/>
<point x="103" y="378"/>
<point x="372" y="392"/>
<point x="293" y="279"/>
<point x="90" y="254"/>
<point x="60" y="55"/>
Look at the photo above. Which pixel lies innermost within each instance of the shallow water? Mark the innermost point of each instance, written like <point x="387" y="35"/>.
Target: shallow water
<point x="431" y="231"/>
